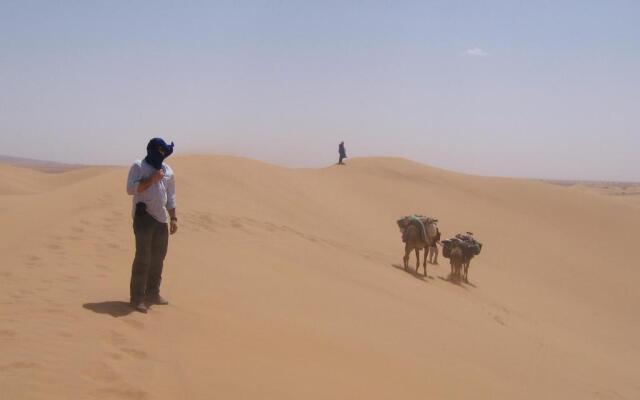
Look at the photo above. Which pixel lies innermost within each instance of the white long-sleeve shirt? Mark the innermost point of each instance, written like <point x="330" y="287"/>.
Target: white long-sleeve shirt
<point x="158" y="197"/>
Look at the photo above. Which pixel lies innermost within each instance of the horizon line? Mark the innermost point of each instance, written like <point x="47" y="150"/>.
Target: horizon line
<point x="40" y="164"/>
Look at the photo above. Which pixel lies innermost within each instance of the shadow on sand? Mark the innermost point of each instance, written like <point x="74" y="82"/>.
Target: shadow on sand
<point x="114" y="308"/>
<point x="412" y="272"/>
<point x="456" y="281"/>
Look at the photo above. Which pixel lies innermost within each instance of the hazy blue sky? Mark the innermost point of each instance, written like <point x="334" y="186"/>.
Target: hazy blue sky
<point x="531" y="88"/>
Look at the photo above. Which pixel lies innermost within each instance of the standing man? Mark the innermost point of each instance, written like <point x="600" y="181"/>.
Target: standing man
<point x="152" y="185"/>
<point x="342" y="152"/>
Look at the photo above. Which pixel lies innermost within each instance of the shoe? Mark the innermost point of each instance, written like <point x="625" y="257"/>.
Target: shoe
<point x="158" y="300"/>
<point x="139" y="306"/>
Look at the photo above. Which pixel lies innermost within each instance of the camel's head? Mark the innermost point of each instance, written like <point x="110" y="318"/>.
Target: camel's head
<point x="402" y="224"/>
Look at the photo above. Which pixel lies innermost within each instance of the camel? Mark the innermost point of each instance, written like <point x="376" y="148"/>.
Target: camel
<point x="461" y="250"/>
<point x="418" y="233"/>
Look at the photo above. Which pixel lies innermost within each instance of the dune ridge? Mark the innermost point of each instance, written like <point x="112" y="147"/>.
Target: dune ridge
<point x="287" y="283"/>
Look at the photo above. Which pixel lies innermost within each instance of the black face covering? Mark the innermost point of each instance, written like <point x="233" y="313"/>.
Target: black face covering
<point x="157" y="151"/>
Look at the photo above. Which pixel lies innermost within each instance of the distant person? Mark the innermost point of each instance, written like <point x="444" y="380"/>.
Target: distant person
<point x="342" y="152"/>
<point x="152" y="185"/>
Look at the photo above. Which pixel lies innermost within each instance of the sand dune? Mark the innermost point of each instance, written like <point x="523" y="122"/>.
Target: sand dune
<point x="287" y="283"/>
<point x="39" y="165"/>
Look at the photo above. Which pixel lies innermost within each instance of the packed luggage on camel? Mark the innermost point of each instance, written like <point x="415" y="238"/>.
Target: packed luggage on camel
<point x="418" y="232"/>
<point x="460" y="249"/>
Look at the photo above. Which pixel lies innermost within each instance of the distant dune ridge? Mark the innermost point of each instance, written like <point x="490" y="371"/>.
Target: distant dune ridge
<point x="288" y="283"/>
<point x="40" y="165"/>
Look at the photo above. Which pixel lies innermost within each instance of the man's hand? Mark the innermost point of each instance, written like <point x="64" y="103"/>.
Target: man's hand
<point x="173" y="225"/>
<point x="146" y="183"/>
<point x="157" y="177"/>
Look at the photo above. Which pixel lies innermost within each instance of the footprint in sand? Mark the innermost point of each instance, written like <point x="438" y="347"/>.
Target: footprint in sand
<point x="25" y="292"/>
<point x="117" y="338"/>
<point x="134" y="324"/>
<point x="608" y="394"/>
<point x="16" y="296"/>
<point x="124" y="392"/>
<point x="60" y="314"/>
<point x="54" y="246"/>
<point x="115" y="356"/>
<point x="108" y="228"/>
<point x="19" y="365"/>
<point x="69" y="278"/>
<point x="137" y="354"/>
<point x="7" y="333"/>
<point x="114" y="246"/>
<point x="33" y="261"/>
<point x="58" y="311"/>
<point x="101" y="372"/>
<point x="499" y="320"/>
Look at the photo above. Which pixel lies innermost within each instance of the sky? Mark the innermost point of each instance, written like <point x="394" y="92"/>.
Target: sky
<point x="541" y="89"/>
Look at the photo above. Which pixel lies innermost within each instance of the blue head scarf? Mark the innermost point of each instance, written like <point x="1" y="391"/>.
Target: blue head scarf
<point x="157" y="151"/>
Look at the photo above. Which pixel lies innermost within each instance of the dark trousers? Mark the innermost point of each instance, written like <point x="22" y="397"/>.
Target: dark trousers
<point x="152" y="239"/>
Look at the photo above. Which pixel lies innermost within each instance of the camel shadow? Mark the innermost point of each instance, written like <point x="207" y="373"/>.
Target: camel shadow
<point x="470" y="284"/>
<point x="114" y="308"/>
<point x="412" y="272"/>
<point x="456" y="281"/>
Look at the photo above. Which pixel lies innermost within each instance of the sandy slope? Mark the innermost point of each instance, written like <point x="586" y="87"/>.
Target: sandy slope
<point x="286" y="284"/>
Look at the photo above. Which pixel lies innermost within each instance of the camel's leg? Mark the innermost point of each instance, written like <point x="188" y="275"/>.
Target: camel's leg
<point x="435" y="253"/>
<point x="424" y="261"/>
<point x="426" y="254"/>
<point x="466" y="270"/>
<point x="417" y="259"/>
<point x="407" y="250"/>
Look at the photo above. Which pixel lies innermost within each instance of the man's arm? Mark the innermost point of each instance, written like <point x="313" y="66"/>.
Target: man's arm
<point x="133" y="179"/>
<point x="171" y="204"/>
<point x="137" y="184"/>
<point x="145" y="183"/>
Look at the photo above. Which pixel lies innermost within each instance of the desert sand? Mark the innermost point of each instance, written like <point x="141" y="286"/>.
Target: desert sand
<point x="286" y="284"/>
